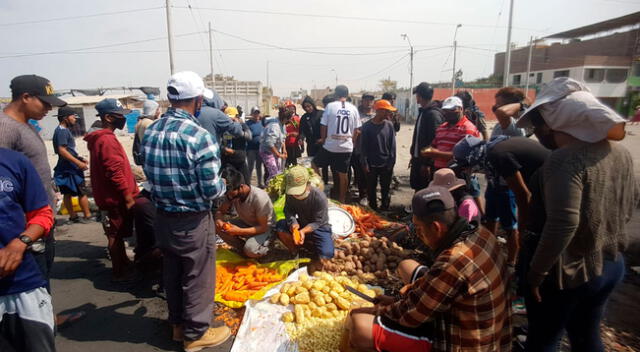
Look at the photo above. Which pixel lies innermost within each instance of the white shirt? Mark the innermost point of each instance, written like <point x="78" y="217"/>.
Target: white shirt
<point x="341" y="119"/>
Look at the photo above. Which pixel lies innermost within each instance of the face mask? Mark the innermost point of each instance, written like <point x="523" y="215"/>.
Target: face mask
<point x="119" y="123"/>
<point x="303" y="195"/>
<point x="198" y="107"/>
<point x="452" y="117"/>
<point x="547" y="140"/>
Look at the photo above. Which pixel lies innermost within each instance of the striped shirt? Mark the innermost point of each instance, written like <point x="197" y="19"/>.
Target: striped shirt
<point x="464" y="293"/>
<point x="181" y="162"/>
<point x="447" y="136"/>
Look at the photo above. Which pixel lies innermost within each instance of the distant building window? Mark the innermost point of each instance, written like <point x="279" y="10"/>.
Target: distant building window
<point x="563" y="73"/>
<point x="539" y="78"/>
<point x="594" y="75"/>
<point x="617" y="75"/>
<point x="517" y="79"/>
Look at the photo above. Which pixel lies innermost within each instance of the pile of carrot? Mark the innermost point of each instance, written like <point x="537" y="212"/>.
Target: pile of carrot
<point x="239" y="283"/>
<point x="366" y="222"/>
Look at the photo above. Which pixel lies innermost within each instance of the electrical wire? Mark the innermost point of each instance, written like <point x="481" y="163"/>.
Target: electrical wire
<point x="374" y="19"/>
<point x="48" y="20"/>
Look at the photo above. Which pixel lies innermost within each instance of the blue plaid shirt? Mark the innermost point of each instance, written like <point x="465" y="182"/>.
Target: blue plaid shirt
<point x="181" y="161"/>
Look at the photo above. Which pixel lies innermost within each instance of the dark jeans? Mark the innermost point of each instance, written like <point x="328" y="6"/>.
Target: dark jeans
<point x="359" y="175"/>
<point x="384" y="174"/>
<point x="188" y="245"/>
<point x="578" y="310"/>
<point x="144" y="217"/>
<point x="293" y="153"/>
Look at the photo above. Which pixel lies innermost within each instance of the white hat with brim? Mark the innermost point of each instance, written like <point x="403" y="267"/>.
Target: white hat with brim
<point x="187" y="85"/>
<point x="568" y="106"/>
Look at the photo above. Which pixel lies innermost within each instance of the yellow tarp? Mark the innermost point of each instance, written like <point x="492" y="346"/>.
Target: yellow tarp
<point x="282" y="267"/>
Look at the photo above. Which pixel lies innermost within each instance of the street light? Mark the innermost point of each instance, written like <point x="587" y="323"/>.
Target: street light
<point x="336" y="73"/>
<point x="455" y="49"/>
<point x="406" y="37"/>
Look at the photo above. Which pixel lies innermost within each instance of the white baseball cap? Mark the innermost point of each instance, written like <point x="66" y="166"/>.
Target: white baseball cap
<point x="451" y="103"/>
<point x="186" y="85"/>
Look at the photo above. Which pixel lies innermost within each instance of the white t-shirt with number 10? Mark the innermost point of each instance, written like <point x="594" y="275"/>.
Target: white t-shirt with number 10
<point x="341" y="119"/>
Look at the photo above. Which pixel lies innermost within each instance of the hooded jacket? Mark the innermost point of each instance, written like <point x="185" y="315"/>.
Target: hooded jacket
<point x="111" y="176"/>
<point x="310" y="124"/>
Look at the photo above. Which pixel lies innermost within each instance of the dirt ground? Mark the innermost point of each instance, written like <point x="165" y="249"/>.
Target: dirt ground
<point x="132" y="318"/>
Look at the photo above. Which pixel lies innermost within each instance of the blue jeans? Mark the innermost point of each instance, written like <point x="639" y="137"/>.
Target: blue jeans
<point x="578" y="310"/>
<point x="319" y="242"/>
<point x="501" y="206"/>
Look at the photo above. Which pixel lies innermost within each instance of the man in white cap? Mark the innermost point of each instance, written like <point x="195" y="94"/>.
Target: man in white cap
<point x="455" y="128"/>
<point x="150" y="113"/>
<point x="181" y="161"/>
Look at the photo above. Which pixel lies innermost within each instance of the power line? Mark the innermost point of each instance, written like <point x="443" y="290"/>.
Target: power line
<point x="373" y="19"/>
<point x="48" y="20"/>
<point x="300" y="50"/>
<point x="93" y="47"/>
<point x="382" y="70"/>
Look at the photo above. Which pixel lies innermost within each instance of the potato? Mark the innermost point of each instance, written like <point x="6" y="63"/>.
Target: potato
<point x="337" y="288"/>
<point x="313" y="292"/>
<point x="291" y="291"/>
<point x="317" y="274"/>
<point x="301" y="298"/>
<point x="358" y="265"/>
<point x="382" y="258"/>
<point x="337" y="314"/>
<point x="327" y="315"/>
<point x="300" y="290"/>
<point x="355" y="247"/>
<point x="359" y="272"/>
<point x="287" y="317"/>
<point x="380" y="265"/>
<point x="319" y="300"/>
<point x="284" y="299"/>
<point x="326" y="289"/>
<point x="300" y="314"/>
<point x="312" y="305"/>
<point x="365" y="243"/>
<point x="327" y="299"/>
<point x="285" y="288"/>
<point x="307" y="284"/>
<point x="275" y="298"/>
<point x="367" y="268"/>
<point x="362" y="287"/>
<point x="319" y="284"/>
<point x="342" y="303"/>
<point x="331" y="307"/>
<point x="304" y="277"/>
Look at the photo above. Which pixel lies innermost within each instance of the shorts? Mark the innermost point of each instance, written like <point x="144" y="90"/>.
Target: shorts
<point x="418" y="272"/>
<point x="501" y="206"/>
<point x="27" y="321"/>
<point x="80" y="191"/>
<point x="390" y="336"/>
<point x="118" y="222"/>
<point x="339" y="162"/>
<point x="319" y="242"/>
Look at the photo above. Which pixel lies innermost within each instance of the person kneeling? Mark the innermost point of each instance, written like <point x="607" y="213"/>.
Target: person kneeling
<point x="250" y="233"/>
<point x="306" y="220"/>
<point x="458" y="303"/>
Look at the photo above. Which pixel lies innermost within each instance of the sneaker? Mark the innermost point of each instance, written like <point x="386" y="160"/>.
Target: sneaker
<point x="178" y="333"/>
<point x="84" y="220"/>
<point x="212" y="337"/>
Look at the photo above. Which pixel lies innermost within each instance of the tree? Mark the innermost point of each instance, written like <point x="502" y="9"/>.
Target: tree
<point x="388" y="85"/>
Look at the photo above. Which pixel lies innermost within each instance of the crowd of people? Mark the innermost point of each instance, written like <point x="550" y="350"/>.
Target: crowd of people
<point x="560" y="201"/>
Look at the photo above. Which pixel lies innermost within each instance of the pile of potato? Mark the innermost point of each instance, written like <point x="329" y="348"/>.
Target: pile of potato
<point x="321" y="303"/>
<point x="375" y="255"/>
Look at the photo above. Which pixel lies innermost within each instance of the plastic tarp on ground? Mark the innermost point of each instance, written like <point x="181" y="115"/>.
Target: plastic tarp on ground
<point x="262" y="329"/>
<point x="282" y="267"/>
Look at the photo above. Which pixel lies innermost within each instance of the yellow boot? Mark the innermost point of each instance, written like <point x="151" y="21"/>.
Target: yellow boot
<point x="212" y="337"/>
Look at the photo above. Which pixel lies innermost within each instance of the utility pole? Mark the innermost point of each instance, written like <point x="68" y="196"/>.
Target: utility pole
<point x="455" y="52"/>
<point x="213" y="78"/>
<point x="336" y="72"/>
<point x="526" y="86"/>
<point x="410" y="113"/>
<point x="507" y="56"/>
<point x="268" y="85"/>
<point x="170" y="36"/>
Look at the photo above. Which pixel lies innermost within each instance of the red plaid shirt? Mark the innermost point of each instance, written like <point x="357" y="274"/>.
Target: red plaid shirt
<point x="465" y="294"/>
<point x="447" y="136"/>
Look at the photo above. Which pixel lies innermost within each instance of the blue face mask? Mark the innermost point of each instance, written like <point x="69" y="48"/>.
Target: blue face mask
<point x="198" y="107"/>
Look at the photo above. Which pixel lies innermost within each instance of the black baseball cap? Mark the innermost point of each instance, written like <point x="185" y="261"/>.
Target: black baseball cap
<point x="111" y="106"/>
<point x="66" y="111"/>
<point x="36" y="86"/>
<point x="432" y="200"/>
<point x="341" y="91"/>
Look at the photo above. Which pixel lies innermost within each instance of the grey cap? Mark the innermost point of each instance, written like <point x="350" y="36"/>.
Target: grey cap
<point x="149" y="108"/>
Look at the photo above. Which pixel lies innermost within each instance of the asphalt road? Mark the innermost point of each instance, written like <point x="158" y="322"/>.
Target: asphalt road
<point x="131" y="318"/>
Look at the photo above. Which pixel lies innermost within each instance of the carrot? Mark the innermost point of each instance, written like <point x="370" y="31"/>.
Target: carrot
<point x="297" y="238"/>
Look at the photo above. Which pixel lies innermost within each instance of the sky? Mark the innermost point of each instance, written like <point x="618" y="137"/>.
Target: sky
<point x="308" y="43"/>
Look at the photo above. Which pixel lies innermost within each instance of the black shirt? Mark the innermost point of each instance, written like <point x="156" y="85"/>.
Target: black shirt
<point x="428" y="120"/>
<point x="517" y="154"/>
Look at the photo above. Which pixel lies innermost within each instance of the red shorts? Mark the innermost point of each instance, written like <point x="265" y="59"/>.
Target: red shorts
<point x="391" y="339"/>
<point x="118" y="222"/>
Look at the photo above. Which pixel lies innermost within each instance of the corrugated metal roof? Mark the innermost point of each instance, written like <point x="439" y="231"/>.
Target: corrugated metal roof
<point x="93" y="99"/>
<point x="627" y="20"/>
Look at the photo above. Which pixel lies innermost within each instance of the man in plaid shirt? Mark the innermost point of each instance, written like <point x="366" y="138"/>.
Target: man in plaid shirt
<point x="459" y="303"/>
<point x="181" y="161"/>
